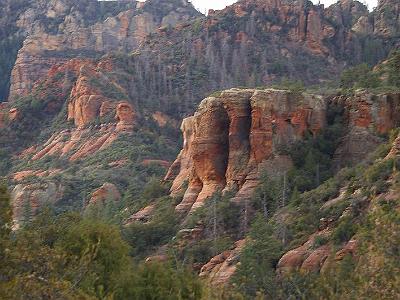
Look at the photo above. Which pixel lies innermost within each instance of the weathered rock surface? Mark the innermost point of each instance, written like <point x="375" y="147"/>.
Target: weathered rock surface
<point x="310" y="257"/>
<point x="143" y="215"/>
<point x="76" y="34"/>
<point x="87" y="101"/>
<point x="221" y="268"/>
<point x="237" y="135"/>
<point x="78" y="143"/>
<point x="27" y="199"/>
<point x="22" y="175"/>
<point x="367" y="115"/>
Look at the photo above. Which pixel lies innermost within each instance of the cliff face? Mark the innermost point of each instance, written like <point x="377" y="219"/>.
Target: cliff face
<point x="255" y="43"/>
<point x="60" y="29"/>
<point x="368" y="117"/>
<point x="74" y="114"/>
<point x="235" y="136"/>
<point x="251" y="43"/>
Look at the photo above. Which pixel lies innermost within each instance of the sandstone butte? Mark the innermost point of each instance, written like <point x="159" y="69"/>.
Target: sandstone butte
<point x="235" y="136"/>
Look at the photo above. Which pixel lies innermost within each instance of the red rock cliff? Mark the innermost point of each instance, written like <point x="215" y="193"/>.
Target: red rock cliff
<point x="235" y="136"/>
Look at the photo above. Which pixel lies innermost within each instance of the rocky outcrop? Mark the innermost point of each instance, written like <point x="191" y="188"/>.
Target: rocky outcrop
<point x="104" y="194"/>
<point x="235" y="136"/>
<point x="88" y="100"/>
<point x="22" y="175"/>
<point x="311" y="257"/>
<point x="387" y="16"/>
<point x="78" y="143"/>
<point x="306" y="258"/>
<point x="395" y="150"/>
<point x="27" y="199"/>
<point x="144" y="215"/>
<point x="125" y="116"/>
<point x="220" y="269"/>
<point x="368" y="115"/>
<point x="75" y="35"/>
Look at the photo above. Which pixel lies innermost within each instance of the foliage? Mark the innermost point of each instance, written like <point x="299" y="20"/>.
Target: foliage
<point x="256" y="272"/>
<point x="268" y="195"/>
<point x="69" y="257"/>
<point x="344" y="231"/>
<point x="219" y="215"/>
<point x="146" y="237"/>
<point x="5" y="227"/>
<point x="162" y="281"/>
<point x="373" y="274"/>
<point x="359" y="77"/>
<point x="313" y="156"/>
<point x="320" y="240"/>
<point x="296" y="86"/>
<point x="384" y="76"/>
<point x="200" y="252"/>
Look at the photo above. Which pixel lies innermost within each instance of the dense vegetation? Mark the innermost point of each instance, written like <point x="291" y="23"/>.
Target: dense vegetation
<point x="385" y="77"/>
<point x="74" y="249"/>
<point x="70" y="257"/>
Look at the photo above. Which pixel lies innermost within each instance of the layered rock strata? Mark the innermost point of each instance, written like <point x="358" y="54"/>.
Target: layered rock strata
<point x="235" y="136"/>
<point x="74" y="34"/>
<point x="368" y="116"/>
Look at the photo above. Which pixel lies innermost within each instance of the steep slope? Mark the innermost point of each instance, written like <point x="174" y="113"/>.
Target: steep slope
<point x="236" y="136"/>
<point x="77" y="131"/>
<point x="59" y="30"/>
<point x="249" y="151"/>
<point x="256" y="43"/>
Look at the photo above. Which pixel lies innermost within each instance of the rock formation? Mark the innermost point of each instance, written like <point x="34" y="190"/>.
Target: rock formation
<point x="27" y="199"/>
<point x="368" y="115"/>
<point x="235" y="136"/>
<point x="75" y="33"/>
<point x="220" y="268"/>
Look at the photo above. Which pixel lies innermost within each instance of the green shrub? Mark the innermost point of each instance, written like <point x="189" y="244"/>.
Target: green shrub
<point x="344" y="231"/>
<point x="379" y="171"/>
<point x="320" y="240"/>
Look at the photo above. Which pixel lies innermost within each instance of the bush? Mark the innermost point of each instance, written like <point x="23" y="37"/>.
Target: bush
<point x="379" y="171"/>
<point x="146" y="237"/>
<point x="256" y="272"/>
<point x="320" y="240"/>
<point x="344" y="231"/>
<point x="359" y="77"/>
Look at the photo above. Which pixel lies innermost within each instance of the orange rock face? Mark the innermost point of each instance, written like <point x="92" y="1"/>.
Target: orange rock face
<point x="78" y="143"/>
<point x="87" y="101"/>
<point x="220" y="268"/>
<point x="142" y="215"/>
<point x="43" y="49"/>
<point x="125" y="116"/>
<point x="20" y="176"/>
<point x="231" y="139"/>
<point x="309" y="258"/>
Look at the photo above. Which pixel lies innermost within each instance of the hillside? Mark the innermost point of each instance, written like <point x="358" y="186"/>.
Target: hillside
<point x="151" y="152"/>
